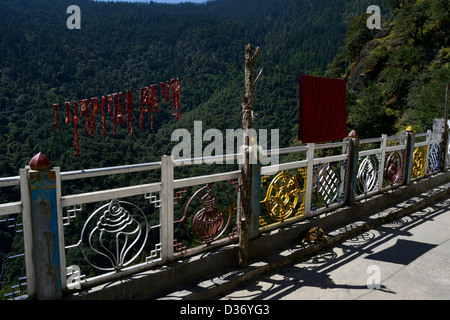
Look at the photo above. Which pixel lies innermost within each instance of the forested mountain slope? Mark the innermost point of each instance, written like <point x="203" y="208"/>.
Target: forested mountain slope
<point x="123" y="46"/>
<point x="397" y="76"/>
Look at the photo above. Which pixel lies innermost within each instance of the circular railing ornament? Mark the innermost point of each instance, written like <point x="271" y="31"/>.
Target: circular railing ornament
<point x="115" y="236"/>
<point x="210" y="222"/>
<point x="393" y="167"/>
<point x="434" y="158"/>
<point x="328" y="183"/>
<point x="282" y="196"/>
<point x="367" y="175"/>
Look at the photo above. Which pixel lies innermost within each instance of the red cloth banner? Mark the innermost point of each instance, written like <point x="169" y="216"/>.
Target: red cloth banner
<point x="323" y="109"/>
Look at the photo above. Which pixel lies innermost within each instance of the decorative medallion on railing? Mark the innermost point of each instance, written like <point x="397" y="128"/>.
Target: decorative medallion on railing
<point x="419" y="162"/>
<point x="116" y="234"/>
<point x="367" y="176"/>
<point x="434" y="158"/>
<point x="283" y="195"/>
<point x="393" y="168"/>
<point x="327" y="189"/>
<point x="210" y="222"/>
<point x="448" y="153"/>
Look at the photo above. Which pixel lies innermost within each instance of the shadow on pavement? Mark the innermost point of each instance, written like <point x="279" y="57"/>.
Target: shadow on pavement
<point x="315" y="272"/>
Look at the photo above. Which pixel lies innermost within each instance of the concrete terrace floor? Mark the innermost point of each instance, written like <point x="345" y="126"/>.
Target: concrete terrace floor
<point x="408" y="259"/>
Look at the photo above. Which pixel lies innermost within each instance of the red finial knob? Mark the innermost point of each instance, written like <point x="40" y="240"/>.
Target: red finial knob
<point x="39" y="162"/>
<point x="353" y="134"/>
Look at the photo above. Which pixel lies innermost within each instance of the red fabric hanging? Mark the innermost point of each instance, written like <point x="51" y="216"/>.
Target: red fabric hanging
<point x="94" y="110"/>
<point x="148" y="96"/>
<point x="155" y="98"/>
<point x="85" y="112"/>
<point x="176" y="98"/>
<point x="163" y="90"/>
<point x="110" y="105"/>
<point x="75" y="126"/>
<point x="68" y="113"/>
<point x="103" y="117"/>
<point x="141" y="107"/>
<point x="323" y="109"/>
<point x="56" y="107"/>
<point x="115" y="112"/>
<point x="120" y="114"/>
<point x="167" y="97"/>
<point x="153" y="102"/>
<point x="129" y="111"/>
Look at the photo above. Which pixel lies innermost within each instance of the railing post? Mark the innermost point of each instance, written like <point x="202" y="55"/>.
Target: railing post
<point x="428" y="152"/>
<point x="255" y="198"/>
<point x="167" y="208"/>
<point x="27" y="231"/>
<point x="446" y="133"/>
<point x="309" y="177"/>
<point x="445" y="150"/>
<point x="352" y="168"/>
<point x="43" y="236"/>
<point x="382" y="160"/>
<point x="410" y="141"/>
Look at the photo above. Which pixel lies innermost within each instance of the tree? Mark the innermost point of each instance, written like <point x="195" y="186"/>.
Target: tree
<point x="357" y="36"/>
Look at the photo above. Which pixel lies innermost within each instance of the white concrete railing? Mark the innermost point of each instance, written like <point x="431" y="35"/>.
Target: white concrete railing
<point x="311" y="184"/>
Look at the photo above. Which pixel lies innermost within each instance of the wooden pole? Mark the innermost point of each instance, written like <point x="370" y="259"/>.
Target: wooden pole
<point x="246" y="188"/>
<point x="445" y="140"/>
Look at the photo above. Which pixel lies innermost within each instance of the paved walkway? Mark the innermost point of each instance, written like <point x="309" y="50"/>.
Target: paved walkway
<point x="406" y="259"/>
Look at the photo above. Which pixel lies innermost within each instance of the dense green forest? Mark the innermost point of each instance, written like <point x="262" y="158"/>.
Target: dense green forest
<point x="396" y="76"/>
<point x="123" y="46"/>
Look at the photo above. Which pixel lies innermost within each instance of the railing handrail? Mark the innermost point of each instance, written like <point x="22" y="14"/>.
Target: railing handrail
<point x="96" y="172"/>
<point x="9" y="181"/>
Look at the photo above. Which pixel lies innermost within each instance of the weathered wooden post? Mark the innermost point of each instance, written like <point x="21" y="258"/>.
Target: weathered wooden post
<point x="247" y="110"/>
<point x="255" y="197"/>
<point x="167" y="248"/>
<point x="445" y="134"/>
<point x="352" y="169"/>
<point x="43" y="231"/>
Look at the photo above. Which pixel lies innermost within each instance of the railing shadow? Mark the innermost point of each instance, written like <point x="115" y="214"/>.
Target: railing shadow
<point x="316" y="270"/>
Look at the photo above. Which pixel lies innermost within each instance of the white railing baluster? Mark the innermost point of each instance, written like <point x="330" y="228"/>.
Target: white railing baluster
<point x="309" y="178"/>
<point x="167" y="208"/>
<point x="382" y="159"/>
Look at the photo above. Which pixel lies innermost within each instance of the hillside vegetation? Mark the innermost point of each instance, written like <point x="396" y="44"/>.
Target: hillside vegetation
<point x="397" y="75"/>
<point x="123" y="46"/>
